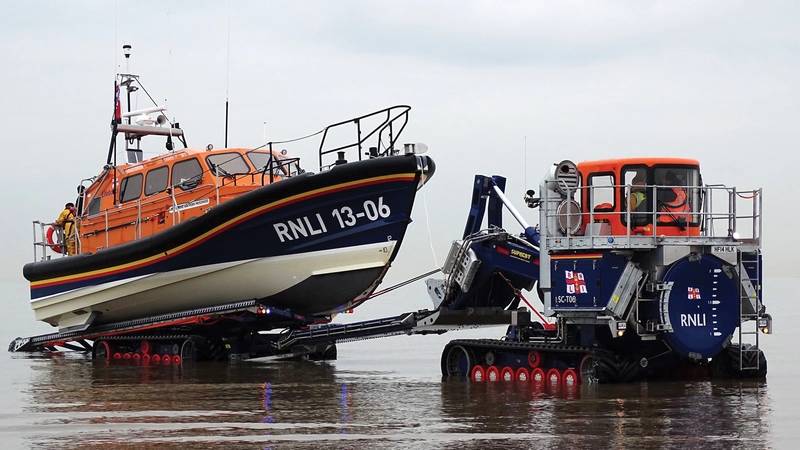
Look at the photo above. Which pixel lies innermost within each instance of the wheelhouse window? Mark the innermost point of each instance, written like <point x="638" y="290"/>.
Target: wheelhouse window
<point x="94" y="207"/>
<point x="678" y="195"/>
<point x="601" y="191"/>
<point x="228" y="164"/>
<point x="131" y="188"/>
<point x="258" y="159"/>
<point x="187" y="174"/>
<point x="282" y="165"/>
<point x="636" y="196"/>
<point x="156" y="181"/>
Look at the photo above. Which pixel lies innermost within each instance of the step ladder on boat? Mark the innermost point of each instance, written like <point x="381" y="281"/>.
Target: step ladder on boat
<point x="749" y="309"/>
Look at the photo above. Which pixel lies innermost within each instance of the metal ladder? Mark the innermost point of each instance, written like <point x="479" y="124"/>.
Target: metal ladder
<point x="749" y="263"/>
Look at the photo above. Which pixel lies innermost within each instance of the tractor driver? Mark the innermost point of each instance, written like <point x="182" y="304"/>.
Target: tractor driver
<point x="637" y="200"/>
<point x="673" y="201"/>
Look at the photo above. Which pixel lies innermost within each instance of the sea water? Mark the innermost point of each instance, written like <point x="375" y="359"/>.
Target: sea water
<point x="383" y="393"/>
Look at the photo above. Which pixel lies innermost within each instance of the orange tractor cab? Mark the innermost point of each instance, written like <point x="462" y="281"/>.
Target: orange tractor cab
<point x="641" y="196"/>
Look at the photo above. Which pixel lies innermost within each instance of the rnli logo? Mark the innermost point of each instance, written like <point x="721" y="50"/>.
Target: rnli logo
<point x="576" y="283"/>
<point x="694" y="293"/>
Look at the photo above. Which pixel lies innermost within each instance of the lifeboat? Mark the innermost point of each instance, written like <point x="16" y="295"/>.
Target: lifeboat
<point x="193" y="228"/>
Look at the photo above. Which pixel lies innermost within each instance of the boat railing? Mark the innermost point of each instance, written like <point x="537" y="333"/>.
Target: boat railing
<point x="379" y="138"/>
<point x="723" y="215"/>
<point x="377" y="132"/>
<point x="43" y="249"/>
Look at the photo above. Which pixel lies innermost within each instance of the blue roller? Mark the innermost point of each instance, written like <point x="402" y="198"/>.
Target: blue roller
<point x="702" y="307"/>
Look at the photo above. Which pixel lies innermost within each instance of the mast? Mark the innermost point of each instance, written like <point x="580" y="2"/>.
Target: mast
<point x="134" y="125"/>
<point x="227" y="72"/>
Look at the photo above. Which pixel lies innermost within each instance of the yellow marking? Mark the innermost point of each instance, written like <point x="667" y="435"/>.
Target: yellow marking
<point x="592" y="256"/>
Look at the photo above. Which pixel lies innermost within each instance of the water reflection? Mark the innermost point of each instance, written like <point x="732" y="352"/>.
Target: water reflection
<point x="305" y="404"/>
<point x="658" y="415"/>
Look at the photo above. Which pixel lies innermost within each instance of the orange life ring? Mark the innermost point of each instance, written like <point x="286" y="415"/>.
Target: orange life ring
<point x="49" y="238"/>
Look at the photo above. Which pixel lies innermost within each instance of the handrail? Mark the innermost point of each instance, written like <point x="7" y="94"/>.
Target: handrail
<point x="62" y="240"/>
<point x="702" y="214"/>
<point x="387" y="123"/>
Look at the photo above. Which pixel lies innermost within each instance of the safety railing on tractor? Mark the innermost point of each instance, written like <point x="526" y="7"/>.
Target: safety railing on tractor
<point x="721" y="221"/>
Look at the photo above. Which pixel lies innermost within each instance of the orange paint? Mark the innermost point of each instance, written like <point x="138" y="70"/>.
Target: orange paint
<point x="614" y="215"/>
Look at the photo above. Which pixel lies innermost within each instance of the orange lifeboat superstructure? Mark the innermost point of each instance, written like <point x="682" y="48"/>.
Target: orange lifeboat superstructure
<point x="137" y="200"/>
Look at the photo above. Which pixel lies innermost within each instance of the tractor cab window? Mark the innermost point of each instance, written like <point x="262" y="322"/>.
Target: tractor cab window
<point x="601" y="191"/>
<point x="636" y="196"/>
<point x="678" y="195"/>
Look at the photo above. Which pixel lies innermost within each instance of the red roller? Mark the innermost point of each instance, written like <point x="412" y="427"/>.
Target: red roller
<point x="553" y="378"/>
<point x="507" y="374"/>
<point x="165" y="359"/>
<point x="145" y="359"/>
<point x="136" y="356"/>
<point x="522" y="375"/>
<point x="478" y="374"/>
<point x="537" y="376"/>
<point x="126" y="355"/>
<point x="117" y="355"/>
<point x="106" y="348"/>
<point x="570" y="378"/>
<point x="534" y="359"/>
<point x="156" y="358"/>
<point x="492" y="373"/>
<point x="176" y="360"/>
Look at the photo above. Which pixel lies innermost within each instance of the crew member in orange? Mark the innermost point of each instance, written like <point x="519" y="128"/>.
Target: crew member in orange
<point x="674" y="202"/>
<point x="66" y="220"/>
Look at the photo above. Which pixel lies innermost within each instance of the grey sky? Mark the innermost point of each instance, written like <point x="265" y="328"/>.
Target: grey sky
<point x="582" y="80"/>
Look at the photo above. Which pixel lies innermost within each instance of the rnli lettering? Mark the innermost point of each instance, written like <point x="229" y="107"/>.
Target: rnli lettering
<point x="344" y="217"/>
<point x="693" y="320"/>
<point x="301" y="227"/>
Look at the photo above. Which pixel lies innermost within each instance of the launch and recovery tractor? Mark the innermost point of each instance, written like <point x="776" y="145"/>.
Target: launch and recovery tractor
<point x="642" y="270"/>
